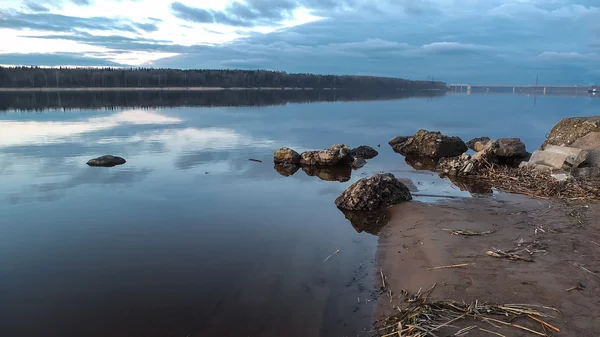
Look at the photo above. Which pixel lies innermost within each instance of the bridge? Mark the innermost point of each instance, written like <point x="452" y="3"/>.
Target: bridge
<point x="521" y="88"/>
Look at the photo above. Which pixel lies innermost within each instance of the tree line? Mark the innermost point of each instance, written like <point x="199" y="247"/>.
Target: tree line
<point x="38" y="101"/>
<point x="38" y="77"/>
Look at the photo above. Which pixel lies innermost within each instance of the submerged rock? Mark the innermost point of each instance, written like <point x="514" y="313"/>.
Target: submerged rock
<point x="429" y="144"/>
<point x="341" y="173"/>
<point x="334" y="155"/>
<point x="358" y="163"/>
<point x="286" y="155"/>
<point x="364" y="151"/>
<point x="568" y="130"/>
<point x="477" y="144"/>
<point x="106" y="161"/>
<point x="378" y="191"/>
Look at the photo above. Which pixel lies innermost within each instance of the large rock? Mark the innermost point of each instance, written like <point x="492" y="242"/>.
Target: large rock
<point x="286" y="155"/>
<point x="568" y="130"/>
<point x="510" y="147"/>
<point x="106" y="161"/>
<point x="477" y="144"/>
<point x="429" y="144"/>
<point x="364" y="151"/>
<point x="591" y="144"/>
<point x="378" y="191"/>
<point x="334" y="155"/>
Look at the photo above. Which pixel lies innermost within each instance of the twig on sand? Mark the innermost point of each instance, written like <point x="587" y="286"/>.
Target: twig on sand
<point x="544" y="323"/>
<point x="337" y="251"/>
<point x="596" y="243"/>
<point x="492" y="332"/>
<point x="507" y="255"/>
<point x="420" y="317"/>
<point x="382" y="278"/>
<point x="451" y="266"/>
<point x="585" y="269"/>
<point x="577" y="287"/>
<point x="467" y="232"/>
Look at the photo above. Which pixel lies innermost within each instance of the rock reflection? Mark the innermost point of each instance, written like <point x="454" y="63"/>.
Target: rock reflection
<point x="329" y="173"/>
<point x="286" y="169"/>
<point x="368" y="221"/>
<point x="422" y="163"/>
<point x="472" y="186"/>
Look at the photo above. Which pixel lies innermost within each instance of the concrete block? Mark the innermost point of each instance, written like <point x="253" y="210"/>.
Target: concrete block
<point x="559" y="157"/>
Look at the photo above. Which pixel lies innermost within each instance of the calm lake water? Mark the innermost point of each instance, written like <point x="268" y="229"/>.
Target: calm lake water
<point x="189" y="238"/>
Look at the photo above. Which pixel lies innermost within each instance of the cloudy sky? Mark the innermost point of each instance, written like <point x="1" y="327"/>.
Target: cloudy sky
<point x="457" y="41"/>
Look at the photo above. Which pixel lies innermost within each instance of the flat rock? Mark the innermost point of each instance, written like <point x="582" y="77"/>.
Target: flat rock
<point x="429" y="144"/>
<point x="364" y="151"/>
<point x="558" y="157"/>
<point x="106" y="161"/>
<point x="334" y="155"/>
<point x="376" y="192"/>
<point x="286" y="155"/>
<point x="590" y="143"/>
<point x="568" y="130"/>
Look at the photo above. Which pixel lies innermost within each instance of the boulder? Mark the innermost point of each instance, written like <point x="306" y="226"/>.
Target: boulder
<point x="376" y="192"/>
<point x="510" y="147"/>
<point x="364" y="151"/>
<point x="397" y="141"/>
<point x="568" y="130"/>
<point x="286" y="169"/>
<point x="341" y="173"/>
<point x="286" y="155"/>
<point x="429" y="144"/>
<point x="334" y="155"/>
<point x="106" y="161"/>
<point x="591" y="144"/>
<point x="477" y="144"/>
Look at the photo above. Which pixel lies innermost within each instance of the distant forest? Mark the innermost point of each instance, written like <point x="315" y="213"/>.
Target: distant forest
<point x="39" y="101"/>
<point x="36" y="77"/>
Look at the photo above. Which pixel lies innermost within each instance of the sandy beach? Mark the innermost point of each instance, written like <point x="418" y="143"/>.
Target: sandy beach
<point x="565" y="237"/>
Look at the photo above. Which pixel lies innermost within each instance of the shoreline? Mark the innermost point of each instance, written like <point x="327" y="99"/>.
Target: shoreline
<point x="566" y="236"/>
<point x="50" y="89"/>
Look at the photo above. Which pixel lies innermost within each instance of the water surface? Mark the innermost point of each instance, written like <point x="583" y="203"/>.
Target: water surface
<point x="189" y="238"/>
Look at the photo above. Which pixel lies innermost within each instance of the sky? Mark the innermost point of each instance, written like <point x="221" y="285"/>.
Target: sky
<point x="456" y="41"/>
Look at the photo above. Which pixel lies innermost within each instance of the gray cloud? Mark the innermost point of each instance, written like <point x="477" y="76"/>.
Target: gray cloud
<point x="60" y="23"/>
<point x="32" y="6"/>
<point x="146" y="27"/>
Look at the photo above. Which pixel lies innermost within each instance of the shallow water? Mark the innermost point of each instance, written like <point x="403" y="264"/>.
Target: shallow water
<point x="189" y="238"/>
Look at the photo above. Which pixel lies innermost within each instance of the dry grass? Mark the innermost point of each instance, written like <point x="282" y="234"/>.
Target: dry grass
<point x="420" y="317"/>
<point x="537" y="183"/>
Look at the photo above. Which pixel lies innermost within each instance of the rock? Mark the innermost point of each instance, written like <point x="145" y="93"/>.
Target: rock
<point x="590" y="143"/>
<point x="334" y="155"/>
<point x="488" y="153"/>
<point x="358" y="162"/>
<point x="568" y="130"/>
<point x="364" y="151"/>
<point x="397" y="141"/>
<point x="477" y="144"/>
<point x="106" y="161"/>
<point x="376" y="192"/>
<point x="510" y="147"/>
<point x="561" y="176"/>
<point x="341" y="173"/>
<point x="286" y="155"/>
<point x="558" y="157"/>
<point x="586" y="172"/>
<point x="286" y="169"/>
<point x="429" y="144"/>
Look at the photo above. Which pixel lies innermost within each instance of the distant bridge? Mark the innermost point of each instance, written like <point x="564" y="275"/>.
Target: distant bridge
<point x="521" y="88"/>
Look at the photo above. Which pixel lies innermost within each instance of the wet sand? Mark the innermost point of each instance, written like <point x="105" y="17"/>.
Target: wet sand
<point x="415" y="241"/>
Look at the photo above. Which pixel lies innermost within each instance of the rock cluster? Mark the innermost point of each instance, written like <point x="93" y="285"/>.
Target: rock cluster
<point x="376" y="192"/>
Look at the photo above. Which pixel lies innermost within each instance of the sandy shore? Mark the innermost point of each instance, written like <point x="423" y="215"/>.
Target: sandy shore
<point x="415" y="241"/>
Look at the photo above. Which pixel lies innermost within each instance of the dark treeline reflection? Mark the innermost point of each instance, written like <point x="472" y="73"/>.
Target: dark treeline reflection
<point x="31" y="101"/>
